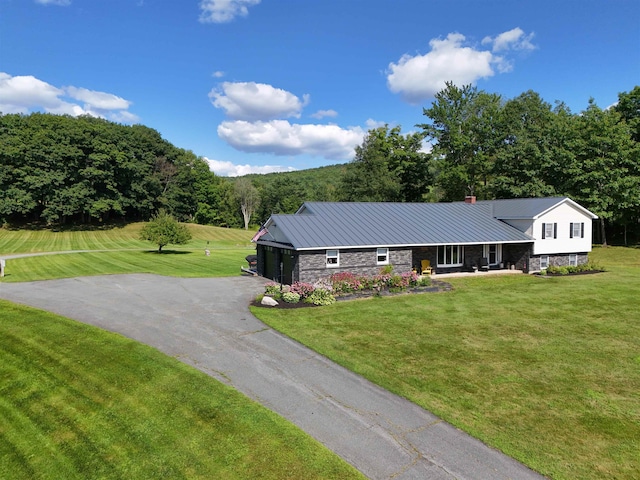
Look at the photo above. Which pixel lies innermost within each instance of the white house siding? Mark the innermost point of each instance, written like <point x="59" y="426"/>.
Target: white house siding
<point x="562" y="215"/>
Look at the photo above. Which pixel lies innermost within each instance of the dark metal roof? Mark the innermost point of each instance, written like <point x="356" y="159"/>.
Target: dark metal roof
<point x="528" y="208"/>
<point x="319" y="225"/>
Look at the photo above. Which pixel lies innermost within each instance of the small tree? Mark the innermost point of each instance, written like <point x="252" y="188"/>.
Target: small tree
<point x="163" y="230"/>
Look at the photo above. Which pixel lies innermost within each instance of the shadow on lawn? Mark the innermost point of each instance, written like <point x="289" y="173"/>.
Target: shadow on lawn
<point x="168" y="252"/>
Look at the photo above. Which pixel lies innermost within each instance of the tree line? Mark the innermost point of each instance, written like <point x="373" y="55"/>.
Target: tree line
<point x="477" y="143"/>
<point x="61" y="169"/>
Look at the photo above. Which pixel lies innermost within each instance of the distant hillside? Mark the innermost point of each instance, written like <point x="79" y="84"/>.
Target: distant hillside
<point x="284" y="192"/>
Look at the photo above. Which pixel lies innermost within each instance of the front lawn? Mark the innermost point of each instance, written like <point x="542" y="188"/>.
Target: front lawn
<point x="77" y="402"/>
<point x="545" y="369"/>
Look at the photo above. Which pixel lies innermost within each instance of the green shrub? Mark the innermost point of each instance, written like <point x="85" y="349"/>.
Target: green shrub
<point x="271" y="289"/>
<point x="291" y="297"/>
<point x="321" y="297"/>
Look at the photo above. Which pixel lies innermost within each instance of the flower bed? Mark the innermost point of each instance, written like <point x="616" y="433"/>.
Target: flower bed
<point x="348" y="286"/>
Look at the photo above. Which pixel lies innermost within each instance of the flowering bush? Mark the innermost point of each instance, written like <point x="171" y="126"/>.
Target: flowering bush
<point x="302" y="289"/>
<point x="321" y="297"/>
<point x="346" y="282"/>
<point x="291" y="297"/>
<point x="272" y="288"/>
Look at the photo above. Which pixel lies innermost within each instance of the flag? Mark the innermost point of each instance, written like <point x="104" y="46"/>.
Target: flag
<point x="260" y="233"/>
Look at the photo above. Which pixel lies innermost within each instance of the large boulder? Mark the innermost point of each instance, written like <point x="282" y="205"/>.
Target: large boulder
<point x="268" y="301"/>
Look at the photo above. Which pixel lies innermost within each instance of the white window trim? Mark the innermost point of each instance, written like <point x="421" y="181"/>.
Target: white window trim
<point x="460" y="256"/>
<point x="546" y="257"/>
<point x="549" y="229"/>
<point x="336" y="256"/>
<point x="385" y="254"/>
<point x="573" y="260"/>
<point x="485" y="252"/>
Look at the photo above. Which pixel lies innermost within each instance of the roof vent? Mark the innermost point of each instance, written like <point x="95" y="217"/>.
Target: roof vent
<point x="470" y="199"/>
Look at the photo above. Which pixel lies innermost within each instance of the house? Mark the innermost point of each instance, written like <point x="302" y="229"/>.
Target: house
<point x="323" y="238"/>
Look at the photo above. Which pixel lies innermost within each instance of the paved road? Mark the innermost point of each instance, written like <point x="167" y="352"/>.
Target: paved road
<point x="206" y="323"/>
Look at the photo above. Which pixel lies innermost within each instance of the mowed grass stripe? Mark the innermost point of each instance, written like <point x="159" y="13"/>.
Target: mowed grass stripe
<point x="116" y="238"/>
<point x="179" y="263"/>
<point x="77" y="402"/>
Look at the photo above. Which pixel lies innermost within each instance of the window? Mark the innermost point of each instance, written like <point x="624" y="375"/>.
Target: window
<point x="333" y="258"/>
<point x="549" y="230"/>
<point x="382" y="256"/>
<point x="573" y="260"/>
<point x="493" y="253"/>
<point x="544" y="262"/>
<point x="576" y="230"/>
<point x="450" y="255"/>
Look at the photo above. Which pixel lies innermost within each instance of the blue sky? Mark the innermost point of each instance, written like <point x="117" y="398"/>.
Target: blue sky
<point x="274" y="85"/>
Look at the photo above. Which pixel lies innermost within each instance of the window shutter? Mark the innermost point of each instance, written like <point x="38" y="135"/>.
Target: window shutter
<point x="543" y="230"/>
<point x="571" y="230"/>
<point x="582" y="230"/>
<point x="555" y="230"/>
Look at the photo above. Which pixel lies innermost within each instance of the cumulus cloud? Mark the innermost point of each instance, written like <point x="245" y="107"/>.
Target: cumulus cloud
<point x="324" y="113"/>
<point x="256" y="101"/>
<point x="280" y="137"/>
<point x="61" y="3"/>
<point x="229" y="169"/>
<point x="23" y="94"/>
<point x="223" y="11"/>
<point x="420" y="77"/>
<point x="218" y="74"/>
<point x="514" y="39"/>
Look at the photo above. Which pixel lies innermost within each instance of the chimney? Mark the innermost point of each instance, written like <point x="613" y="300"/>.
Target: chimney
<point x="470" y="199"/>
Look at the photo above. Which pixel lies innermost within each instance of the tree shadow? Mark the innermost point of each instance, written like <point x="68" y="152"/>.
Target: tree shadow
<point x="168" y="252"/>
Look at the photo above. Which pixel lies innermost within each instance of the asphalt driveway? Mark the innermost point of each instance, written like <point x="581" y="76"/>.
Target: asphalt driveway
<point x="206" y="323"/>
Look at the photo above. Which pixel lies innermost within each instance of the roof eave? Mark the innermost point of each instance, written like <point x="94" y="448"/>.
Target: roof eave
<point x="349" y="247"/>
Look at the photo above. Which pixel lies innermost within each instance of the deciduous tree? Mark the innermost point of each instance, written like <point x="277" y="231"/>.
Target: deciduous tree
<point x="163" y="229"/>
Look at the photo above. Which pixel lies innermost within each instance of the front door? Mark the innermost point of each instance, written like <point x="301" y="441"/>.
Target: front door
<point x="493" y="253"/>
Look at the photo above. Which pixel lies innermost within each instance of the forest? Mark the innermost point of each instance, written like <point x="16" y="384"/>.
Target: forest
<point x="62" y="170"/>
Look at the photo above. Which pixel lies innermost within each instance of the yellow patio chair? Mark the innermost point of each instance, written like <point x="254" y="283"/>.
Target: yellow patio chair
<point x="426" y="267"/>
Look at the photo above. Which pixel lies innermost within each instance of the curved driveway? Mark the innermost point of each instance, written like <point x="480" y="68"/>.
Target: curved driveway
<point x="206" y="323"/>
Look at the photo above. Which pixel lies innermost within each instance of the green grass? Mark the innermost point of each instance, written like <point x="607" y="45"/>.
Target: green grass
<point x="176" y="263"/>
<point x="118" y="250"/>
<point x="77" y="402"/>
<point x="116" y="238"/>
<point x="545" y="369"/>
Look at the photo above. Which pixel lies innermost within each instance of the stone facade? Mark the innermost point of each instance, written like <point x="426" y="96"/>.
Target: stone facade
<point x="557" y="260"/>
<point x="312" y="266"/>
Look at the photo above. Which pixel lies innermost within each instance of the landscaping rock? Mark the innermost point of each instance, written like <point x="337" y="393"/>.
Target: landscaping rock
<point x="269" y="302"/>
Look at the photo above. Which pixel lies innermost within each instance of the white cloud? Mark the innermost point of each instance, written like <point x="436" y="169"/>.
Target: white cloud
<point x="98" y="100"/>
<point x="61" y="3"/>
<point x="417" y="78"/>
<point x="514" y="39"/>
<point x="228" y="169"/>
<point x="223" y="11"/>
<point x="373" y="124"/>
<point x="218" y="74"/>
<point x="280" y="137"/>
<point x="23" y="94"/>
<point x="256" y="101"/>
<point x="18" y="94"/>
<point x="324" y="113"/>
